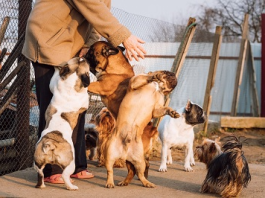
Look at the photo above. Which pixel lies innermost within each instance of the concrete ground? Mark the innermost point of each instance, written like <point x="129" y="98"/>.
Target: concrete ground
<point x="174" y="183"/>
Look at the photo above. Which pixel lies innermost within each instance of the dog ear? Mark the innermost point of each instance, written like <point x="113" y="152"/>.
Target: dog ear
<point x="109" y="50"/>
<point x="64" y="71"/>
<point x="121" y="48"/>
<point x="212" y="147"/>
<point x="188" y="106"/>
<point x="217" y="141"/>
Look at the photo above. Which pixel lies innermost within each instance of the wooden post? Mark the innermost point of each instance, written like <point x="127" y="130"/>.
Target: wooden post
<point x="240" y="66"/>
<point x="262" y="66"/>
<point x="211" y="74"/>
<point x="253" y="87"/>
<point x="183" y="48"/>
<point x="181" y="55"/>
<point x="3" y="28"/>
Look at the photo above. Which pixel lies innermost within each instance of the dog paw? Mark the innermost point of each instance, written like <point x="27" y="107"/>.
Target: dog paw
<point x="109" y="185"/>
<point x="72" y="187"/>
<point x="188" y="169"/>
<point x="40" y="186"/>
<point x="157" y="77"/>
<point x="123" y="183"/>
<point x="192" y="163"/>
<point x="173" y="114"/>
<point x="161" y="169"/>
<point x="149" y="185"/>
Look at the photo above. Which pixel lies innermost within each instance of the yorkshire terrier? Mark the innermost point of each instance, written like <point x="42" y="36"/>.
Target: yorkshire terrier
<point x="228" y="173"/>
<point x="208" y="150"/>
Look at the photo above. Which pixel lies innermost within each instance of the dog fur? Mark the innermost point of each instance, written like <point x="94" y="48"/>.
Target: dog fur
<point x="208" y="150"/>
<point x="70" y="98"/>
<point x="143" y="101"/>
<point x="91" y="137"/>
<point x="179" y="133"/>
<point x="113" y="72"/>
<point x="228" y="173"/>
<point x="105" y="124"/>
<point x="150" y="132"/>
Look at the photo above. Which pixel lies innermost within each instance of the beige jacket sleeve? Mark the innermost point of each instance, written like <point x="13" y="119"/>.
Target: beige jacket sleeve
<point x="97" y="13"/>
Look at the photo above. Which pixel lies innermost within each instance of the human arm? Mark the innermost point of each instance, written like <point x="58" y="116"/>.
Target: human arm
<point x="97" y="13"/>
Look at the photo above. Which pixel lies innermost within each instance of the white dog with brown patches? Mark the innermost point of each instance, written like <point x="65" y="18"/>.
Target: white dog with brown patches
<point x="70" y="98"/>
<point x="179" y="133"/>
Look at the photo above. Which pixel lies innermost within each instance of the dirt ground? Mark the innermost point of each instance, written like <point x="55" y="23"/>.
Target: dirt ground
<point x="173" y="183"/>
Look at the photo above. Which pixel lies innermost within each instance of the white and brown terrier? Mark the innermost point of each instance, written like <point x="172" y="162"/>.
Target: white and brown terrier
<point x="228" y="172"/>
<point x="70" y="98"/>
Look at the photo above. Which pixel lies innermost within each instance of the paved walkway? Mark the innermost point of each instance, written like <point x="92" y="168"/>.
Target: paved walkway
<point x="174" y="183"/>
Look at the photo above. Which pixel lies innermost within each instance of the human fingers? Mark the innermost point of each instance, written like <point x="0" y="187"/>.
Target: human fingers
<point x="128" y="55"/>
<point x="134" y="53"/>
<point x="83" y="51"/>
<point x="140" y="51"/>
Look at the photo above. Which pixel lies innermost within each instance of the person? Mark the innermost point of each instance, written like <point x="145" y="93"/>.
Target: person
<point x="57" y="31"/>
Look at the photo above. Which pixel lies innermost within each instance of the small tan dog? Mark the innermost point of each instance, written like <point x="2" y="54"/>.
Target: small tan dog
<point x="70" y="98"/>
<point x="143" y="101"/>
<point x="105" y="124"/>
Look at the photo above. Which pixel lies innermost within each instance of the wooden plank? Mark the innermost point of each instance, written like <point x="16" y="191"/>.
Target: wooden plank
<point x="3" y="28"/>
<point x="205" y="127"/>
<point x="253" y="87"/>
<point x="242" y="122"/>
<point x="211" y="73"/>
<point x="240" y="66"/>
<point x="262" y="90"/>
<point x="183" y="48"/>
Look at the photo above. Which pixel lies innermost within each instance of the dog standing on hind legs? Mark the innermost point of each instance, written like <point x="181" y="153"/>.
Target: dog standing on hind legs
<point x="70" y="98"/>
<point x="126" y="141"/>
<point x="104" y="125"/>
<point x="113" y="72"/>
